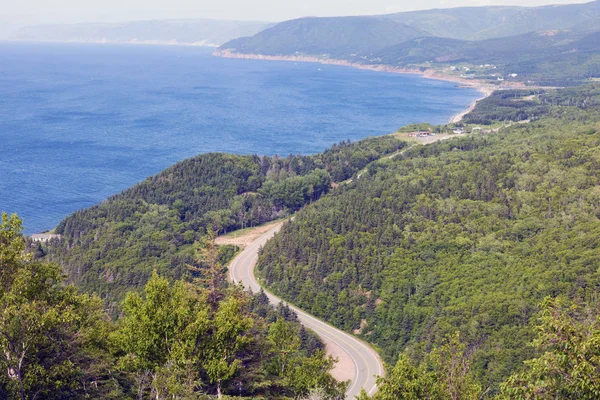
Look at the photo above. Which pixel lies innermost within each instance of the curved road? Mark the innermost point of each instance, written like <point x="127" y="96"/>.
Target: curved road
<point x="358" y="362"/>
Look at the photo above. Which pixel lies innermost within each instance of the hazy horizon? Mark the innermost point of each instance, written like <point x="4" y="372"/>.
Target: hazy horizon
<point x="34" y="12"/>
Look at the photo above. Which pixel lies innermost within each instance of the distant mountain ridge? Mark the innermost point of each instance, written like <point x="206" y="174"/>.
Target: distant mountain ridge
<point x="378" y="32"/>
<point x="185" y="31"/>
<point x="480" y="23"/>
<point x="334" y="36"/>
<point x="554" y="44"/>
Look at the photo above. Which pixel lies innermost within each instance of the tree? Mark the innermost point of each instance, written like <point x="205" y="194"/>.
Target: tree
<point x="286" y="343"/>
<point x="312" y="373"/>
<point x="228" y="336"/>
<point x="160" y="335"/>
<point x="47" y="330"/>
<point x="300" y="373"/>
<point x="12" y="247"/>
<point x="406" y="382"/>
<point x="170" y="342"/>
<point x="569" y="367"/>
<point x="30" y="311"/>
<point x="210" y="268"/>
<point x="452" y="365"/>
<point x="444" y="374"/>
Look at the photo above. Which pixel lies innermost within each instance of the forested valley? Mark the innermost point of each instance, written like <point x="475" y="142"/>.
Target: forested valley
<point x="461" y="253"/>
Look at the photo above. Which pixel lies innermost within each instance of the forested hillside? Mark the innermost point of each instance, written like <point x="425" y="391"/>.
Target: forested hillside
<point x="550" y="45"/>
<point x="559" y="58"/>
<point x="529" y="105"/>
<point x="114" y="246"/>
<point x="467" y="235"/>
<point x="176" y="340"/>
<point x="337" y="37"/>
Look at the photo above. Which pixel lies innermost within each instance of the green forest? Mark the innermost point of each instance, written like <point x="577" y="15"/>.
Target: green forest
<point x="567" y="339"/>
<point x="114" y="246"/>
<point x="176" y="339"/>
<point x="466" y="236"/>
<point x="532" y="104"/>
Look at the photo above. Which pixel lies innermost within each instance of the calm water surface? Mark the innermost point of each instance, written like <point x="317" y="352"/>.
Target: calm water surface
<point x="81" y="122"/>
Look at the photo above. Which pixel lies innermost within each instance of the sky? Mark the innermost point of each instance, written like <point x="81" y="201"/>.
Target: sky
<point x="27" y="12"/>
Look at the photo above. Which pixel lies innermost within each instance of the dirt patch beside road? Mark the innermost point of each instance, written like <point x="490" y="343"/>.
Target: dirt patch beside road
<point x="244" y="237"/>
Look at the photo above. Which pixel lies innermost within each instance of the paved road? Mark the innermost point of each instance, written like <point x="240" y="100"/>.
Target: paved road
<point x="358" y="362"/>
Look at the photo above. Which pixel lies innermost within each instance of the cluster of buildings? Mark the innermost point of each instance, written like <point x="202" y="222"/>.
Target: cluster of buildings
<point x="470" y="74"/>
<point x="44" y="237"/>
<point x="421" y="134"/>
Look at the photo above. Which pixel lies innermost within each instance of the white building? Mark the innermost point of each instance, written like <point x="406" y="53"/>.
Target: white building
<point x="44" y="237"/>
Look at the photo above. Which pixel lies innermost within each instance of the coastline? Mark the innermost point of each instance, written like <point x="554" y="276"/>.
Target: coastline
<point x="459" y="117"/>
<point x="485" y="88"/>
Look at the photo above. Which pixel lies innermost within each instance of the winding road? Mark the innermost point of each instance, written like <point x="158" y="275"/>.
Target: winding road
<point x="357" y="361"/>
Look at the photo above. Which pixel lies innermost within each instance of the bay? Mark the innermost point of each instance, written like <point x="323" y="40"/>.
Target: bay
<point x="79" y="122"/>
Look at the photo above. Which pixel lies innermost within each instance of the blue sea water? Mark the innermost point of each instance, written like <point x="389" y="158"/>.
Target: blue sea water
<point x="81" y="122"/>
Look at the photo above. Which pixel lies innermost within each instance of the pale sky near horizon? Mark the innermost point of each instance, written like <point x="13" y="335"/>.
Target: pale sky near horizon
<point x="22" y="12"/>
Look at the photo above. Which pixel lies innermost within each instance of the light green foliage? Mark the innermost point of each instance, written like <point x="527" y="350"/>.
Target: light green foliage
<point x="311" y="373"/>
<point x="228" y="337"/>
<point x="406" y="382"/>
<point x="286" y="343"/>
<point x="160" y="333"/>
<point x="569" y="365"/>
<point x="48" y="332"/>
<point x="175" y="341"/>
<point x="293" y="193"/>
<point x="11" y="246"/>
<point x="444" y="374"/>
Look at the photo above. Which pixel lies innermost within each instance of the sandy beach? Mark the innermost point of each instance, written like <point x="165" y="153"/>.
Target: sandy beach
<point x="486" y="90"/>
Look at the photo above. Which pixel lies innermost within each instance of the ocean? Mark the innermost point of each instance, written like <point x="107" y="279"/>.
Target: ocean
<point x="79" y="122"/>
